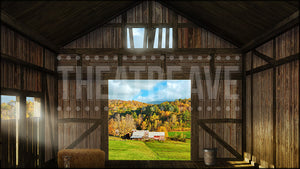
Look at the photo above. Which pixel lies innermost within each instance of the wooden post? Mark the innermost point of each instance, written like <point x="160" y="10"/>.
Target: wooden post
<point x="167" y="38"/>
<point x="124" y="34"/>
<point x="159" y="38"/>
<point x="274" y="104"/>
<point x="131" y="38"/>
<point x="175" y="31"/>
<point x="150" y="28"/>
<point x="244" y="104"/>
<point x="22" y="132"/>
<point x="251" y="97"/>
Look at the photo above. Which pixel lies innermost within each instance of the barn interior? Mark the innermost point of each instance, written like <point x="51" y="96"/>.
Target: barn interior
<point x="60" y="55"/>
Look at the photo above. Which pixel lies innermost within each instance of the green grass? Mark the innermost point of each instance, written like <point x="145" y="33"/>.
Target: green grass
<point x="186" y="134"/>
<point x="154" y="150"/>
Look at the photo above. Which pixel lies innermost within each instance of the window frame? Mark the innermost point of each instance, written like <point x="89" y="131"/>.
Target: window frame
<point x="149" y="41"/>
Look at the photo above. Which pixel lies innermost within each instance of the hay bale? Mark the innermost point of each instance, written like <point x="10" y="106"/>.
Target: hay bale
<point x="82" y="158"/>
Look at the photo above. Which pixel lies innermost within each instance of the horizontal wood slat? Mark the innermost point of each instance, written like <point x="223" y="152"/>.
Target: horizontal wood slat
<point x="225" y="120"/>
<point x="276" y="63"/>
<point x="78" y="120"/>
<point x="150" y="51"/>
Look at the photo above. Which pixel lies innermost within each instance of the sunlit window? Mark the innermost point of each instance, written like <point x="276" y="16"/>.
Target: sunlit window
<point x="137" y="37"/>
<point x="166" y="40"/>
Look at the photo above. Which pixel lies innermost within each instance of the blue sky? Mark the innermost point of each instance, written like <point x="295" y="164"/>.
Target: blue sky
<point x="138" y="37"/>
<point x="7" y="98"/>
<point x="149" y="90"/>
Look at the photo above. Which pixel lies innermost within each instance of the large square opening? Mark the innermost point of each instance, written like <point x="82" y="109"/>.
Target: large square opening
<point x="149" y="120"/>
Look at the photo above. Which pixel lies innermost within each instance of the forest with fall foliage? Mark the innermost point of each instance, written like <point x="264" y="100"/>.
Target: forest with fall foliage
<point x="8" y="110"/>
<point x="124" y="116"/>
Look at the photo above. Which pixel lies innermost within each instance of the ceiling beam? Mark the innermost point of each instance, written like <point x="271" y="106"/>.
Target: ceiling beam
<point x="281" y="27"/>
<point x="264" y="57"/>
<point x="135" y="3"/>
<point x="26" y="31"/>
<point x="121" y="51"/>
<point x="203" y="24"/>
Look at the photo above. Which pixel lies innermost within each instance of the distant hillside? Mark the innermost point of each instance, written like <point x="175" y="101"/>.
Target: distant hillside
<point x="158" y="102"/>
<point x="127" y="115"/>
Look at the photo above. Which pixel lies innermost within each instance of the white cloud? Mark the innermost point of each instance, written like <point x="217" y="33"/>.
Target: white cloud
<point x="128" y="89"/>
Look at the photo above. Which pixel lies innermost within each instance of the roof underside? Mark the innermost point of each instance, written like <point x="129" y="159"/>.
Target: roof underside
<point x="237" y="21"/>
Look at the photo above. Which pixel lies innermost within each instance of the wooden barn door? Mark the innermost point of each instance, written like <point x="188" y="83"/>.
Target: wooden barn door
<point x="217" y="123"/>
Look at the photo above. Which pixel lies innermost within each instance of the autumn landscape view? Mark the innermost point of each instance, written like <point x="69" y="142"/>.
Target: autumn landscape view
<point x="149" y="119"/>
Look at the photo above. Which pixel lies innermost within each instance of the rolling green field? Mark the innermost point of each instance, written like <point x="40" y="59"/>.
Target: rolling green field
<point x="186" y="134"/>
<point x="153" y="150"/>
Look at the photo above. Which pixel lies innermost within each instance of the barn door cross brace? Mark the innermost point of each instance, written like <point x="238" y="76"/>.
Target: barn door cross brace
<point x="202" y="124"/>
<point x="85" y="134"/>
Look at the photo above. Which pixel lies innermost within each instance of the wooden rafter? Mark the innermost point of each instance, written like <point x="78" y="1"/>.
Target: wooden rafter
<point x="282" y="26"/>
<point x="264" y="57"/>
<point x="113" y="51"/>
<point x="29" y="33"/>
<point x="225" y="120"/>
<point x="203" y="24"/>
<point x="15" y="60"/>
<point x="276" y="63"/>
<point x="132" y="5"/>
<point x="77" y="120"/>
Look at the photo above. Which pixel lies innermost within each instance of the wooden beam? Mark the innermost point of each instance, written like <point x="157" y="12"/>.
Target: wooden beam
<point x="150" y="26"/>
<point x="221" y="141"/>
<point x="225" y="120"/>
<point x="144" y="25"/>
<point x="244" y="104"/>
<point x="47" y="100"/>
<point x="78" y="120"/>
<point x="212" y="65"/>
<point x="42" y="122"/>
<point x="12" y="91"/>
<point x="131" y="38"/>
<point x="184" y="75"/>
<point x="279" y="62"/>
<point x="124" y="30"/>
<point x="167" y="38"/>
<point x="251" y="105"/>
<point x="264" y="57"/>
<point x="159" y="38"/>
<point x="274" y="104"/>
<point x="204" y="24"/>
<point x="26" y="31"/>
<point x="145" y="38"/>
<point x="84" y="135"/>
<point x="113" y="51"/>
<point x="194" y="127"/>
<point x="15" y="60"/>
<point x="281" y="27"/>
<point x="108" y="19"/>
<point x="175" y="31"/>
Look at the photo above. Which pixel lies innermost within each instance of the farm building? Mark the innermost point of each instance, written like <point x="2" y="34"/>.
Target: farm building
<point x="145" y="135"/>
<point x="241" y="58"/>
<point x="139" y="134"/>
<point x="157" y="136"/>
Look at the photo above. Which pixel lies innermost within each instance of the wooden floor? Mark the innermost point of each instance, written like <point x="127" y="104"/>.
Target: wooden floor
<point x="175" y="164"/>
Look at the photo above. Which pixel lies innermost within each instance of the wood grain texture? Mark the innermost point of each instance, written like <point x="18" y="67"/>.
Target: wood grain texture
<point x="275" y="115"/>
<point x="189" y="37"/>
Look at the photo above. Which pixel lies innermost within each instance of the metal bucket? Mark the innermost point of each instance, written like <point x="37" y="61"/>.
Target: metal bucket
<point x="210" y="155"/>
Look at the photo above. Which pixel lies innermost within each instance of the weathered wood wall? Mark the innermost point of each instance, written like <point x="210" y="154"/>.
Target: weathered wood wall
<point x="76" y="116"/>
<point x="272" y="99"/>
<point x="25" y="67"/>
<point x="188" y="34"/>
